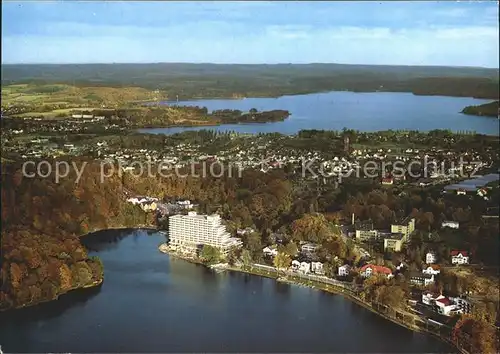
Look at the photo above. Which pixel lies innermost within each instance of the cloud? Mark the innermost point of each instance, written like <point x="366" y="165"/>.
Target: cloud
<point x="254" y="32"/>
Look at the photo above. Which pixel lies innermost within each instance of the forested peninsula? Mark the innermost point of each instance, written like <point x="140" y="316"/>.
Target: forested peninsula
<point x="42" y="257"/>
<point x="487" y="109"/>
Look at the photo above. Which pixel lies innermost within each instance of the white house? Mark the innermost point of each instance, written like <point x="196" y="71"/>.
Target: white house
<point x="459" y="257"/>
<point x="186" y="204"/>
<point x="317" y="267"/>
<point x="270" y="251"/>
<point x="430" y="257"/>
<point x="133" y="200"/>
<point x="344" y="270"/>
<point x="305" y="267"/>
<point x="429" y="298"/>
<point x="431" y="269"/>
<point x="445" y="306"/>
<point x="241" y="232"/>
<point x="451" y="224"/>
<point x="295" y="265"/>
<point x="482" y="192"/>
<point x="309" y="247"/>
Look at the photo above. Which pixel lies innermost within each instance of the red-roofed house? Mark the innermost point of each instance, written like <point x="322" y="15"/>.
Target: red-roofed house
<point x="429" y="298"/>
<point x="459" y="257"/>
<point x="445" y="306"/>
<point x="369" y="269"/>
<point x="431" y="269"/>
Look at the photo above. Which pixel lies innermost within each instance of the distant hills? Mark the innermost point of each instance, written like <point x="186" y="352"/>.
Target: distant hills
<point x="261" y="80"/>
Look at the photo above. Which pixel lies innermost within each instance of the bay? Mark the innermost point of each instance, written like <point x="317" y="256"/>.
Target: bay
<point x="150" y="302"/>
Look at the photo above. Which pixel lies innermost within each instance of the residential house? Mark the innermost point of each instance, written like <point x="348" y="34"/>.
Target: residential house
<point x="421" y="279"/>
<point x="451" y="224"/>
<point x="270" y="251"/>
<point x="368" y="269"/>
<point x="431" y="269"/>
<point x="133" y="200"/>
<point x="309" y="247"/>
<point x="344" y="270"/>
<point x="317" y="267"/>
<point x="405" y="226"/>
<point x="459" y="257"/>
<point x="482" y="192"/>
<point x="429" y="298"/>
<point x="394" y="242"/>
<point x="430" y="257"/>
<point x="242" y="232"/>
<point x="186" y="204"/>
<point x="305" y="267"/>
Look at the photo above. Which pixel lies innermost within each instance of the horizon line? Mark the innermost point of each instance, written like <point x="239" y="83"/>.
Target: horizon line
<point x="256" y="64"/>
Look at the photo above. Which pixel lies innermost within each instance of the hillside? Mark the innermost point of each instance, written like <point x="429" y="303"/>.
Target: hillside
<point x="224" y="80"/>
<point x="41" y="221"/>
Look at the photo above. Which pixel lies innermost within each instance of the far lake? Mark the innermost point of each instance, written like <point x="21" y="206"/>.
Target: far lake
<point x="359" y="111"/>
<point x="152" y="303"/>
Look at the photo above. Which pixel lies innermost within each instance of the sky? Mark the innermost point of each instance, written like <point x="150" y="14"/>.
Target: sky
<point x="369" y="32"/>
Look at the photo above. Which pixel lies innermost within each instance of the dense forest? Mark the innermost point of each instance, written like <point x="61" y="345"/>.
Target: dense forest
<point x="41" y="219"/>
<point x="212" y="80"/>
<point x="488" y="109"/>
<point x="41" y="222"/>
<point x="164" y="116"/>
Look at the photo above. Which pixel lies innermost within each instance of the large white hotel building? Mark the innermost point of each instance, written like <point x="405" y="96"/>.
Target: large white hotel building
<point x="189" y="232"/>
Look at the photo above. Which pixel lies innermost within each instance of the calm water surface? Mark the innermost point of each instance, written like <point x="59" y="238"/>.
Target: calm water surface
<point x="152" y="303"/>
<point x="359" y="111"/>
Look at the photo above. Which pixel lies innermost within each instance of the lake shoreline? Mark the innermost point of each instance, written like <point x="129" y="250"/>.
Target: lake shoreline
<point x="94" y="284"/>
<point x="198" y="98"/>
<point x="75" y="300"/>
<point x="335" y="110"/>
<point x="315" y="286"/>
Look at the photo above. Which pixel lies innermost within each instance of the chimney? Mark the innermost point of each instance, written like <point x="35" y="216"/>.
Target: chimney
<point x="352" y="221"/>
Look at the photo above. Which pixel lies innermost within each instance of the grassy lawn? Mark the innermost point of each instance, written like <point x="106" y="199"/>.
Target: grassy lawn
<point x="56" y="94"/>
<point x="54" y="113"/>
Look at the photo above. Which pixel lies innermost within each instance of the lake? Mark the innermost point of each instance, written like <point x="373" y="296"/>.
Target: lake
<point x="150" y="302"/>
<point x="359" y="111"/>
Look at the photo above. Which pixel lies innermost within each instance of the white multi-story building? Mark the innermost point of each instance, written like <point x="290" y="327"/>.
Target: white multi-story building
<point x="405" y="226"/>
<point x="190" y="232"/>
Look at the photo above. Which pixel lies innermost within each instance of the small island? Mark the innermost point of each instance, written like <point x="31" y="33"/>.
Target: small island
<point x="488" y="109"/>
<point x="253" y="116"/>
